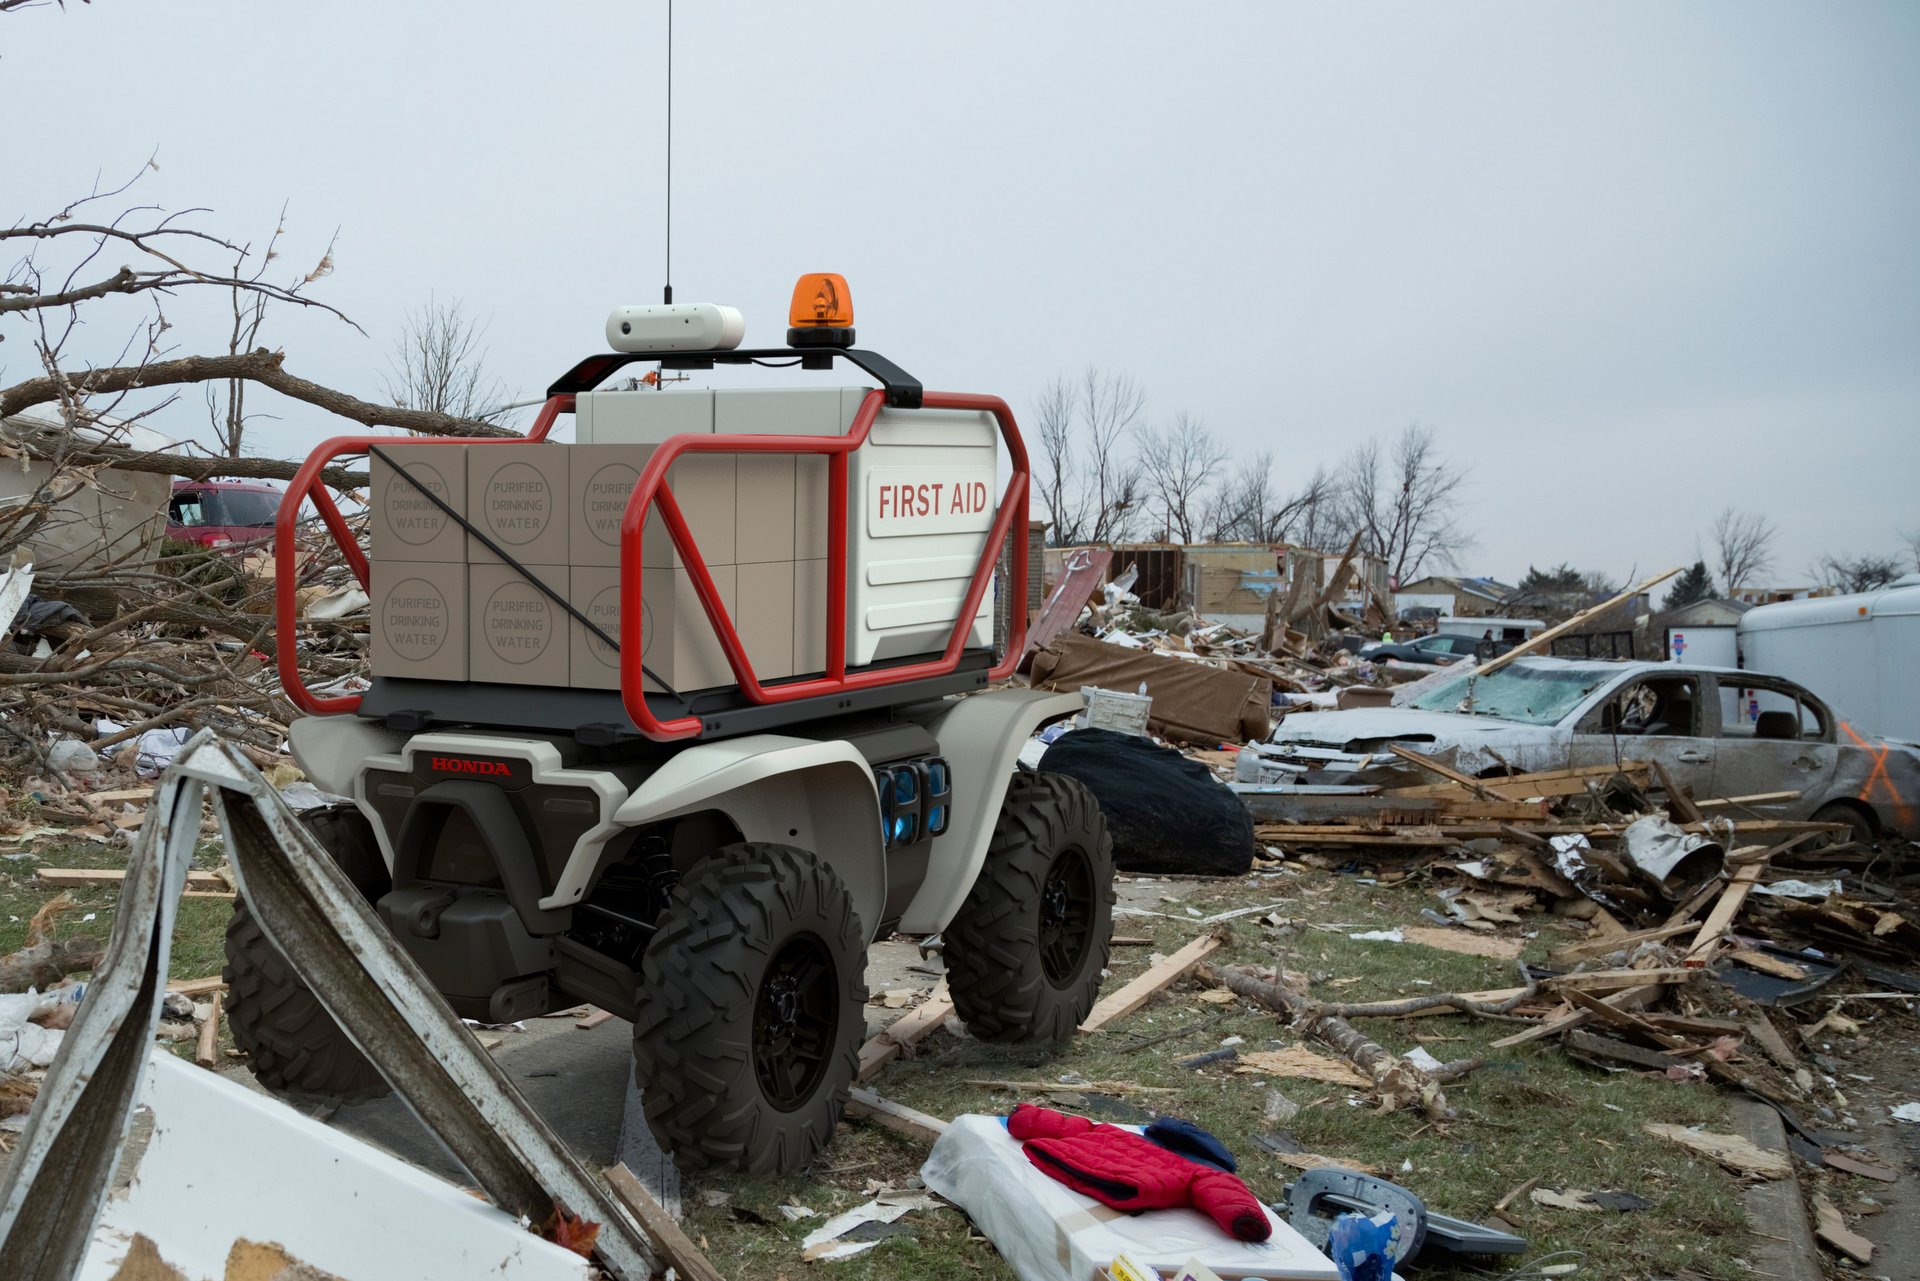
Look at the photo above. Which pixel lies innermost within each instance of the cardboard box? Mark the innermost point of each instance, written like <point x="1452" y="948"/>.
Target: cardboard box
<point x="764" y="618"/>
<point x="419" y="619"/>
<point x="804" y="411"/>
<point x="517" y="496"/>
<point x="678" y="643"/>
<point x="403" y="524"/>
<point x="639" y="417"/>
<point x="764" y="526"/>
<point x="707" y="490"/>
<point x="810" y="507"/>
<point x="518" y="633"/>
<point x="601" y="480"/>
<point x="809" y="617"/>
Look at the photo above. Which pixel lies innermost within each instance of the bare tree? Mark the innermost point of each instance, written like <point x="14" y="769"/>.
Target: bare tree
<point x="439" y="364"/>
<point x="1179" y="465"/>
<point x="1089" y="482"/>
<point x="1250" y="508"/>
<point x="1911" y="538"/>
<point x="1856" y="573"/>
<point x="1742" y="547"/>
<point x="1403" y="499"/>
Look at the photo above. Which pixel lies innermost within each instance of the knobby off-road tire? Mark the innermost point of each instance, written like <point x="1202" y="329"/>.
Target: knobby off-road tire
<point x="751" y="1012"/>
<point x="293" y="1045"/>
<point x="1026" y="951"/>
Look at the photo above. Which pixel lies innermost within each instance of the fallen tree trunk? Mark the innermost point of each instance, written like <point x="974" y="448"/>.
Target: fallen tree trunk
<point x="41" y="965"/>
<point x="1399" y="1082"/>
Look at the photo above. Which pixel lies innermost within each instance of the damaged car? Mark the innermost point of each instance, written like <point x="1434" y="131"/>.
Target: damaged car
<point x="1719" y="732"/>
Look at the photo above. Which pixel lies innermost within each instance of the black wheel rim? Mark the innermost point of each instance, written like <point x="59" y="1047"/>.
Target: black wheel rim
<point x="794" y="1021"/>
<point x="1066" y="916"/>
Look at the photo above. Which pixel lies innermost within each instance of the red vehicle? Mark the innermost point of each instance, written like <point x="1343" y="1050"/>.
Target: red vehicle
<point x="222" y="513"/>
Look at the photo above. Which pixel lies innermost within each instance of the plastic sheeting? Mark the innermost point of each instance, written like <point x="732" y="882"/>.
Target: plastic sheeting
<point x="1048" y="1232"/>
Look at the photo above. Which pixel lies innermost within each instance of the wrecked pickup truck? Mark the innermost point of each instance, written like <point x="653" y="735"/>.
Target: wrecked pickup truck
<point x="1719" y="732"/>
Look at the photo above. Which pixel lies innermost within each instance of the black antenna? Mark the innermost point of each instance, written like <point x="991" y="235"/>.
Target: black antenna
<point x="667" y="293"/>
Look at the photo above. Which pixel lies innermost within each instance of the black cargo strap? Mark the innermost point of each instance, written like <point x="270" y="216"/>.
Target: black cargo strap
<point x="522" y="570"/>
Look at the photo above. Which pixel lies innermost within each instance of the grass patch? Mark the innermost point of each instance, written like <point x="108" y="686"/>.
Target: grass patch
<point x="198" y="934"/>
<point x="1528" y="1112"/>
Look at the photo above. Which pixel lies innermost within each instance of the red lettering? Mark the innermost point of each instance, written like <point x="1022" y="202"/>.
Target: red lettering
<point x="460" y="765"/>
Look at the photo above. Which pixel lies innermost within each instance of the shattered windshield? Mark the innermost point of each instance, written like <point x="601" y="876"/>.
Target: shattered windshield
<point x="239" y="507"/>
<point x="1531" y="695"/>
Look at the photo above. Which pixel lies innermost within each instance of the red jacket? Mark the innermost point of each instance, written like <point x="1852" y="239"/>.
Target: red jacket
<point x="1119" y="1168"/>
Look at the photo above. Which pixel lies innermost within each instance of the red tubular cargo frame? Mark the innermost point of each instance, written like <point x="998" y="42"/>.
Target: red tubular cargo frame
<point x="651" y="491"/>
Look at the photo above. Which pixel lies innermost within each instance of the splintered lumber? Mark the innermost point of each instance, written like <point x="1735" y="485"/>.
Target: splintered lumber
<point x="1543" y="639"/>
<point x="1452" y="775"/>
<point x="1281" y="804"/>
<point x="1758" y="798"/>
<point x="1595" y="1046"/>
<point x="674" y="1246"/>
<point x="1117" y="1005"/>
<point x="78" y="877"/>
<point x="1773" y="965"/>
<point x="1544" y="783"/>
<point x="1724" y="1072"/>
<point x="1589" y="948"/>
<point x="865" y="1105"/>
<point x="206" y="1049"/>
<point x="1720" y="920"/>
<point x="1678" y="801"/>
<point x="1830" y="1226"/>
<point x="1613" y="980"/>
<point x="592" y="1019"/>
<point x="1740" y="1155"/>
<point x="1578" y="1018"/>
<point x="904" y="1033"/>
<point x="197" y="987"/>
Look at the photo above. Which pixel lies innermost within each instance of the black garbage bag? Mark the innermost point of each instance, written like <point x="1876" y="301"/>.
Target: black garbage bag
<point x="1166" y="813"/>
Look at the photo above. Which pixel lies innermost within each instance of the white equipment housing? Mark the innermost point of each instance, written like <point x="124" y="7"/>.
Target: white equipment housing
<point x="922" y="493"/>
<point x="679" y="326"/>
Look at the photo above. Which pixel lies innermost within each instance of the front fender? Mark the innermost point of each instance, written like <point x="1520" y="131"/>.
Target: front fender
<point x="819" y="796"/>
<point x="981" y="737"/>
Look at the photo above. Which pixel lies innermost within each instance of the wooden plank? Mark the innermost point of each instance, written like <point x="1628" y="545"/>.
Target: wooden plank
<point x="1595" y="1046"/>
<point x="1684" y="810"/>
<point x="206" y="1049"/>
<point x="1613" y="980"/>
<point x="1830" y="1226"/>
<point x="122" y="794"/>
<point x="865" y="1105"/>
<point x="1720" y="920"/>
<point x="1758" y="798"/>
<point x="1544" y="783"/>
<point x="198" y="987"/>
<point x="1447" y="772"/>
<point x="673" y="1245"/>
<point x="1766" y="964"/>
<point x="593" y="1019"/>
<point x="1761" y="1031"/>
<point x="68" y="878"/>
<point x="1578" y="1018"/>
<point x="905" y="1032"/>
<point x="1851" y="1164"/>
<point x="1732" y="1151"/>
<point x="1119" y="1004"/>
<point x="1573" y="953"/>
<point x="1542" y="639"/>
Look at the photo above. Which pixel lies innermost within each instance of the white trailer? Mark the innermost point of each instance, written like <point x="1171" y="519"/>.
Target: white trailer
<point x="1859" y="652"/>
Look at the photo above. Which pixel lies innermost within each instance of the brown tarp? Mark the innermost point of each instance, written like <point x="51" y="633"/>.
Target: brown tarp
<point x="1191" y="701"/>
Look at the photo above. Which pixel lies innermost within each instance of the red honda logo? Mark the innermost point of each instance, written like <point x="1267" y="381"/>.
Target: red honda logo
<point x="459" y="765"/>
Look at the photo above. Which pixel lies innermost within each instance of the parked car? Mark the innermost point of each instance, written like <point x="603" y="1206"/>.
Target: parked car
<point x="221" y="513"/>
<point x="1439" y="650"/>
<point x="1719" y="731"/>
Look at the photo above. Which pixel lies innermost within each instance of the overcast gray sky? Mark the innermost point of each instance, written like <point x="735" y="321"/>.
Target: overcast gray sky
<point x="1633" y="261"/>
